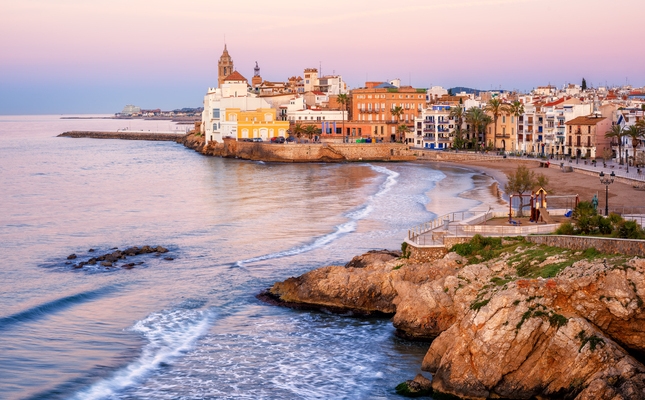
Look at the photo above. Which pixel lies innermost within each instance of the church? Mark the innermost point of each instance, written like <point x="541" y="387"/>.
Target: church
<point x="233" y="111"/>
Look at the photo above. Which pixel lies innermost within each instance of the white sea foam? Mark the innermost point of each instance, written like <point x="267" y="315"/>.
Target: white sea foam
<point x="169" y="334"/>
<point x="347" y="227"/>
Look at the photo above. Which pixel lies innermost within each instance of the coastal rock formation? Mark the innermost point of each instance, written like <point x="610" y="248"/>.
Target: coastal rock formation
<point x="516" y="321"/>
<point x="299" y="153"/>
<point x="108" y="260"/>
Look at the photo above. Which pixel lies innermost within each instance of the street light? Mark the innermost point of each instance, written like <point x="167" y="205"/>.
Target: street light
<point x="627" y="159"/>
<point x="607" y="181"/>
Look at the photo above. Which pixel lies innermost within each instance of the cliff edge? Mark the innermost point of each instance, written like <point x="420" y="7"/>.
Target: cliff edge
<point x="508" y="318"/>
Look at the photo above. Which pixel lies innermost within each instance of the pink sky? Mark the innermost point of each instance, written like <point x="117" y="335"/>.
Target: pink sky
<point x="164" y="53"/>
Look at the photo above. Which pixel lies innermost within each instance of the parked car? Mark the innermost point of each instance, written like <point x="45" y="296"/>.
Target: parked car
<point x="291" y="139"/>
<point x="257" y="139"/>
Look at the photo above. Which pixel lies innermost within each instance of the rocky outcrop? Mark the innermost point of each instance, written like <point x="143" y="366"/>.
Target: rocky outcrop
<point x="112" y="258"/>
<point x="532" y="322"/>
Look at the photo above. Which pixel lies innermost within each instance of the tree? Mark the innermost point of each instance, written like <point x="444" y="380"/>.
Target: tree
<point x="496" y="107"/>
<point x="402" y="130"/>
<point x="298" y="130"/>
<point x="343" y="100"/>
<point x="617" y="132"/>
<point x="310" y="131"/>
<point x="458" y="113"/>
<point x="523" y="180"/>
<point x="636" y="135"/>
<point x="397" y="112"/>
<point x="459" y="142"/>
<point x="474" y="117"/>
<point x="584" y="84"/>
<point x="516" y="109"/>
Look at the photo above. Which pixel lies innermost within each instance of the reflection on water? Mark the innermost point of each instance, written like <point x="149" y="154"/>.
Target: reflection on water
<point x="192" y="327"/>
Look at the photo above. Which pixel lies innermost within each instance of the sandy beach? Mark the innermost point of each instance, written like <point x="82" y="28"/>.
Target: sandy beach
<point x="563" y="183"/>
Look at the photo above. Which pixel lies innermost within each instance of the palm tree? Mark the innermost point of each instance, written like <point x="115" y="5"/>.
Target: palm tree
<point x="402" y="130"/>
<point x="496" y="107"/>
<point x="310" y="131"/>
<point x="343" y="100"/>
<point x="458" y="113"/>
<point x="397" y="112"/>
<point x="298" y="130"/>
<point x="516" y="109"/>
<point x="474" y="117"/>
<point x="617" y="132"/>
<point x="486" y="120"/>
<point x="636" y="134"/>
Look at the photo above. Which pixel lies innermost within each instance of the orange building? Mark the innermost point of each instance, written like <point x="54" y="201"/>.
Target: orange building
<point x="371" y="110"/>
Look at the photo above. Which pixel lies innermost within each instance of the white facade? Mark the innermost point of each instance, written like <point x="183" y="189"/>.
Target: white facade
<point x="435" y="92"/>
<point x="216" y="125"/>
<point x="310" y="116"/>
<point x="332" y="85"/>
<point x="434" y="129"/>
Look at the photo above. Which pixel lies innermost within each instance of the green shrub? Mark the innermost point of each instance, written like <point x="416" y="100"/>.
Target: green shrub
<point x="615" y="219"/>
<point x="484" y="247"/>
<point x="602" y="224"/>
<point x="584" y="209"/>
<point x="405" y="252"/>
<point x="566" y="228"/>
<point x="629" y="230"/>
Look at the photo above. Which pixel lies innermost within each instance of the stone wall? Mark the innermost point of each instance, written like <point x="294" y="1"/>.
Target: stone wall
<point x="628" y="247"/>
<point x="310" y="152"/>
<point x="427" y="254"/>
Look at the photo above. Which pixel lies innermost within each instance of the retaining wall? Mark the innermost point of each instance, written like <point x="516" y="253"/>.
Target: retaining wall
<point x="310" y="152"/>
<point x="630" y="247"/>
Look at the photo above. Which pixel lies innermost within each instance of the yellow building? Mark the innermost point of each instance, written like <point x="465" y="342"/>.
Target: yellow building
<point x="259" y="123"/>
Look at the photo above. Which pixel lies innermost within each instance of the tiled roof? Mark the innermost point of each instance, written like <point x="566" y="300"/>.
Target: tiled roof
<point x="586" y="120"/>
<point x="235" y="76"/>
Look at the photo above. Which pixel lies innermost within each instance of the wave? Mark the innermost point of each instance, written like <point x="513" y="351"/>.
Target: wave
<point x="43" y="310"/>
<point x="347" y="227"/>
<point x="169" y="334"/>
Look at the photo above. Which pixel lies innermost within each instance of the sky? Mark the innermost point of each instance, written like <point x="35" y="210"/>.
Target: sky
<point x="79" y="56"/>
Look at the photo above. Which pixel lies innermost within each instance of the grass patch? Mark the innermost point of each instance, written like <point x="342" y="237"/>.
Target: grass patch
<point x="478" y="304"/>
<point x="593" y="340"/>
<point x="481" y="248"/>
<point x="500" y="281"/>
<point x="554" y="319"/>
<point x="397" y="267"/>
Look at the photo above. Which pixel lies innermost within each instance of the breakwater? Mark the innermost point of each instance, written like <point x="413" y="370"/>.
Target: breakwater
<point x="152" y="136"/>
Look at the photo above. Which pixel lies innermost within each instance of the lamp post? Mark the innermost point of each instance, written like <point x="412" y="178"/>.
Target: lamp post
<point x="607" y="180"/>
<point x="627" y="159"/>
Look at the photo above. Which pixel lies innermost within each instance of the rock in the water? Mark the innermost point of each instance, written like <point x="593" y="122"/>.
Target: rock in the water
<point x="90" y="251"/>
<point x="420" y="386"/>
<point x="501" y="330"/>
<point x="71" y="257"/>
<point x="128" y="266"/>
<point x="160" y="249"/>
<point x="168" y="258"/>
<point x="106" y="263"/>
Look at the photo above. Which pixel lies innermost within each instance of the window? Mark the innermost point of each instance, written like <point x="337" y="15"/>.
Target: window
<point x="216" y="113"/>
<point x="503" y="119"/>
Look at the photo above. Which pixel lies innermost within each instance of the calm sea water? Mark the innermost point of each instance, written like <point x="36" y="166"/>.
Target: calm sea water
<point x="191" y="328"/>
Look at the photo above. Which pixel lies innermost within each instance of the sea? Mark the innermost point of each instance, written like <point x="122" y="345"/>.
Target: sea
<point x="186" y="324"/>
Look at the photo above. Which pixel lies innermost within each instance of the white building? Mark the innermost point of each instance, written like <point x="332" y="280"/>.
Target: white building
<point x="233" y="94"/>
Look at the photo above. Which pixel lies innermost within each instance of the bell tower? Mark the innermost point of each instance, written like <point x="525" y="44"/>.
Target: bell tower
<point x="257" y="79"/>
<point x="224" y="66"/>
